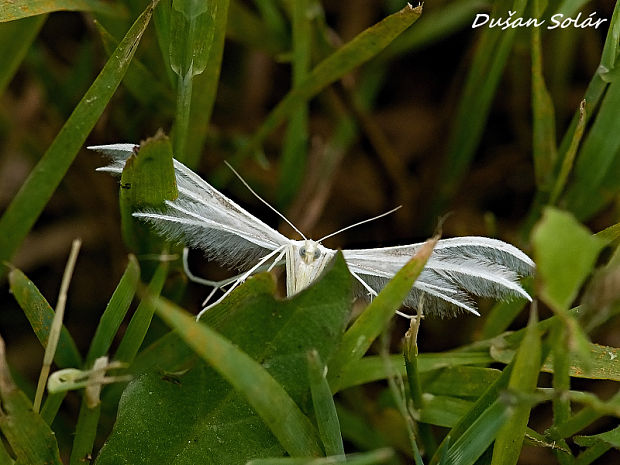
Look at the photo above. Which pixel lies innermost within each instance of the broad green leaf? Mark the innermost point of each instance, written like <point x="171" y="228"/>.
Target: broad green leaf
<point x="141" y="319"/>
<point x="5" y="458"/>
<point x="181" y="411"/>
<point x="565" y="253"/>
<point x="10" y="11"/>
<point x="461" y="381"/>
<point x="115" y="312"/>
<point x="378" y="314"/>
<point x="15" y="40"/>
<point x="444" y="411"/>
<point x="523" y="378"/>
<point x="30" y="438"/>
<point x="148" y="180"/>
<point x="148" y="177"/>
<point x="40" y="315"/>
<point x="32" y="197"/>
<point x="354" y="53"/>
<point x="604" y="362"/>
<point x="324" y="408"/>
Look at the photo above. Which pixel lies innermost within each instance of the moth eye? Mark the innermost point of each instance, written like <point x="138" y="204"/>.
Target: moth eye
<point x="317" y="254"/>
<point x="302" y="251"/>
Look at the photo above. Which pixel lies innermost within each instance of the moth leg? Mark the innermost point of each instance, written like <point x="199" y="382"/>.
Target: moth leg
<point x="372" y="293"/>
<point x="192" y="277"/>
<point x="243" y="277"/>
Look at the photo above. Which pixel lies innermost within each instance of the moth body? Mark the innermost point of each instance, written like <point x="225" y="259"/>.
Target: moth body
<point x="305" y="260"/>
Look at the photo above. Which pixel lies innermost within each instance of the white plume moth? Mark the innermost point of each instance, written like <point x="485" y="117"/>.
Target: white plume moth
<point x="204" y="218"/>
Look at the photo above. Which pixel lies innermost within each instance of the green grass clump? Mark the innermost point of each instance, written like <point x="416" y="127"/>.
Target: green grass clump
<point x="324" y="107"/>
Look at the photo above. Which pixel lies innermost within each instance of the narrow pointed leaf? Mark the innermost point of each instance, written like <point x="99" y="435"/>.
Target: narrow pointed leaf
<point x="30" y="438"/>
<point x="10" y="11"/>
<point x="115" y="311"/>
<point x="36" y="191"/>
<point x="40" y="315"/>
<point x="324" y="408"/>
<point x="379" y="312"/>
<point x="523" y="378"/>
<point x="15" y="40"/>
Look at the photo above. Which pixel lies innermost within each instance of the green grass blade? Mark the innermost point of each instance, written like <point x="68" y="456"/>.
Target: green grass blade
<point x="597" y="85"/>
<point x="377" y="315"/>
<point x="295" y="145"/>
<point x="436" y="24"/>
<point x="247" y="28"/>
<point x="40" y="315"/>
<point x="375" y="457"/>
<point x="29" y="202"/>
<point x="15" y="40"/>
<point x="598" y="362"/>
<point x="470" y="446"/>
<point x="30" y="438"/>
<point x="51" y="406"/>
<point x="140" y="82"/>
<point x="523" y="378"/>
<point x="569" y="157"/>
<point x="115" y="312"/>
<point x="474" y="106"/>
<point x="279" y="412"/>
<point x="544" y="146"/>
<point x="205" y="89"/>
<point x="141" y="319"/>
<point x="372" y="368"/>
<point x="324" y="407"/>
<point x="598" y="162"/>
<point x="85" y="432"/>
<point x="354" y="53"/>
<point x="10" y="11"/>
<point x="501" y="317"/>
<point x="192" y="28"/>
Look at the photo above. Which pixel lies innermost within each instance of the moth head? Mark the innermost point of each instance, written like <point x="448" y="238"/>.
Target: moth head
<point x="309" y="251"/>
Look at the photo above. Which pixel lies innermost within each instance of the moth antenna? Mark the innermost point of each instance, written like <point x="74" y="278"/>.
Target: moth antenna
<point x="361" y="222"/>
<point x="264" y="201"/>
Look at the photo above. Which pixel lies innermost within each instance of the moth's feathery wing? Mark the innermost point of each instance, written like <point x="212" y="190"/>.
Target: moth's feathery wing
<point x="457" y="268"/>
<point x="202" y="216"/>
